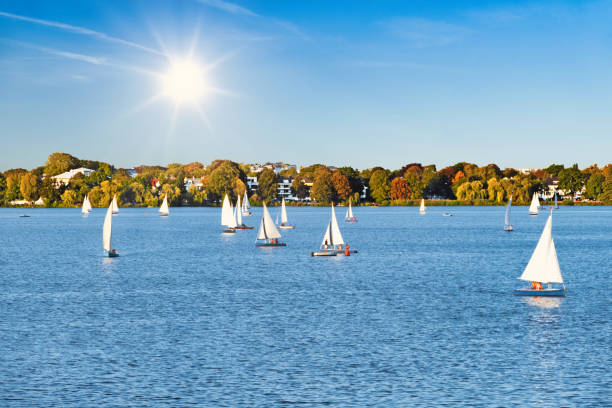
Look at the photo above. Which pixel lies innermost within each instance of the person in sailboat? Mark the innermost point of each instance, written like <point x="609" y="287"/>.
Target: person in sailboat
<point x="536" y="285"/>
<point x="325" y="245"/>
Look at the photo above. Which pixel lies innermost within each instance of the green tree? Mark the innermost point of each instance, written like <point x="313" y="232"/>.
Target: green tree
<point x="571" y="180"/>
<point x="298" y="188"/>
<point x="69" y="198"/>
<point x="416" y="187"/>
<point x="439" y="186"/>
<point x="379" y="185"/>
<point x="353" y="178"/>
<point x="323" y="187"/>
<point x="496" y="190"/>
<point x="341" y="186"/>
<point x="267" y="185"/>
<point x="58" y="163"/>
<point x="221" y="181"/>
<point x="594" y="186"/>
<point x="28" y="186"/>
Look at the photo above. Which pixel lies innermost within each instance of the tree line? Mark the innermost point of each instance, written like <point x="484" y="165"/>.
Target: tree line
<point x="465" y="182"/>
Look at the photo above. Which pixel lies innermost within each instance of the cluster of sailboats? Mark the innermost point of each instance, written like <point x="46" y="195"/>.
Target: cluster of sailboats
<point x="542" y="269"/>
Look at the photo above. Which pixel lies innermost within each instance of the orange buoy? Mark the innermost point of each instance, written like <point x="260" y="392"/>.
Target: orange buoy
<point x="346" y="251"/>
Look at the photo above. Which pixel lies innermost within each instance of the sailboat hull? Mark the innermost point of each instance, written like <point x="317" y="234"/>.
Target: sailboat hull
<point x="351" y="219"/>
<point x="286" y="226"/>
<point x="324" y="253"/>
<point x="269" y="244"/>
<point x="541" y="292"/>
<point x="247" y="214"/>
<point x="532" y="213"/>
<point x="508" y="228"/>
<point x="163" y="215"/>
<point x="243" y="227"/>
<point x="111" y="254"/>
<point x="229" y="231"/>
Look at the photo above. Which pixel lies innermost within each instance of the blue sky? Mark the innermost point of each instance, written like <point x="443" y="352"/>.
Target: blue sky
<point x="361" y="83"/>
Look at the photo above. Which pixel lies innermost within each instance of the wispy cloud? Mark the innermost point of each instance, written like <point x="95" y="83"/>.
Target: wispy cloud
<point x="79" y="30"/>
<point x="422" y="33"/>
<point x="229" y="7"/>
<point x="60" y="53"/>
<point x="401" y="64"/>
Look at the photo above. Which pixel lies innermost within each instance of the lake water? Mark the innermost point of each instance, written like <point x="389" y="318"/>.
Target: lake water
<point x="423" y="315"/>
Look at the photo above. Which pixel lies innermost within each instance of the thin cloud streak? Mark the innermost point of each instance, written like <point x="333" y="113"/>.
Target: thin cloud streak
<point x="229" y="7"/>
<point x="424" y="33"/>
<point x="79" y="30"/>
<point x="60" y="53"/>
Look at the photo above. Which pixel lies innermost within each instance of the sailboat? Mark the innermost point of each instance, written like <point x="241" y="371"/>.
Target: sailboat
<point x="268" y="235"/>
<point x="284" y="222"/>
<point x="543" y="267"/>
<point x="228" y="218"/>
<point x="86" y="208"/>
<point x="507" y="226"/>
<point x="350" y="217"/>
<point x="164" y="211"/>
<point x="107" y="232"/>
<point x="556" y="205"/>
<point x="246" y="207"/>
<point x="333" y="243"/>
<point x="422" y="208"/>
<point x="535" y="204"/>
<point x="238" y="215"/>
<point x="114" y="206"/>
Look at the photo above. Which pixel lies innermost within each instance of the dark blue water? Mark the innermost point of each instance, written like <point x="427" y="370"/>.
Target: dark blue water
<point x="422" y="315"/>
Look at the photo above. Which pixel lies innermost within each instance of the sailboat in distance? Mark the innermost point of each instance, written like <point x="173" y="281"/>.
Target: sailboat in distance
<point x="535" y="204"/>
<point x="228" y="218"/>
<point x="284" y="221"/>
<point x="507" y="226"/>
<point x="543" y="267"/>
<point x="333" y="243"/>
<point x="422" y="208"/>
<point x="246" y="207"/>
<point x="238" y="215"/>
<point x="114" y="206"/>
<point x="164" y="211"/>
<point x="350" y="217"/>
<point x="107" y="233"/>
<point x="556" y="205"/>
<point x="86" y="208"/>
<point x="268" y="235"/>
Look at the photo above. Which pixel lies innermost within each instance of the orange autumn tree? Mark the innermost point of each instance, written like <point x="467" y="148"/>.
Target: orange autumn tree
<point x="342" y="186"/>
<point x="400" y="189"/>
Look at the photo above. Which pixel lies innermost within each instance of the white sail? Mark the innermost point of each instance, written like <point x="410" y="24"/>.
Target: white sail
<point x="535" y="203"/>
<point x="84" y="209"/>
<point x="284" y="220"/>
<point x="88" y="203"/>
<point x="245" y="203"/>
<point x="238" y="213"/>
<point x="226" y="212"/>
<point x="164" y="207"/>
<point x="422" y="208"/>
<point x="507" y="221"/>
<point x="349" y="212"/>
<point x="115" y="207"/>
<point x="332" y="236"/>
<point x="233" y="223"/>
<point x="107" y="230"/>
<point x="544" y="265"/>
<point x="267" y="228"/>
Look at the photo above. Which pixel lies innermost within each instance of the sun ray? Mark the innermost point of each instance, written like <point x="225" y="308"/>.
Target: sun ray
<point x="194" y="41"/>
<point x="145" y="104"/>
<point x="204" y="118"/>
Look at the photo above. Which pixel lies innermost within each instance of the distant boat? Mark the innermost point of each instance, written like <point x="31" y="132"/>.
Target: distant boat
<point x="24" y="216"/>
<point x="107" y="232"/>
<point x="447" y="214"/>
<point x="556" y="205"/>
<point x="86" y="208"/>
<point x="114" y="206"/>
<point x="333" y="243"/>
<point x="238" y="215"/>
<point x="422" y="208"/>
<point x="246" y="207"/>
<point x="349" y="216"/>
<point x="228" y="218"/>
<point x="535" y="204"/>
<point x="268" y="235"/>
<point x="284" y="222"/>
<point x="507" y="226"/>
<point x="543" y="267"/>
<point x="164" y="211"/>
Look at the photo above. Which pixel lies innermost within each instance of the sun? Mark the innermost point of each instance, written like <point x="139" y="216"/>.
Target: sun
<point x="184" y="81"/>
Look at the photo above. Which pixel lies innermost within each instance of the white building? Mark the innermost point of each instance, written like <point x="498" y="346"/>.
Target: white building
<point x="64" y="178"/>
<point x="193" y="181"/>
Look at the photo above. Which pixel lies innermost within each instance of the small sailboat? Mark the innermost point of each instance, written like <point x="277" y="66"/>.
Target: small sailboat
<point x="107" y="232"/>
<point x="535" y="204"/>
<point x="86" y="208"/>
<point x="164" y="211"/>
<point x="228" y="218"/>
<point x="333" y="243"/>
<point x="447" y="214"/>
<point x="422" y="208"/>
<point x="114" y="206"/>
<point x="350" y="217"/>
<point x="238" y="215"/>
<point x="543" y="267"/>
<point x="507" y="226"/>
<point x="246" y="207"/>
<point x="556" y="205"/>
<point x="268" y="235"/>
<point x="284" y="222"/>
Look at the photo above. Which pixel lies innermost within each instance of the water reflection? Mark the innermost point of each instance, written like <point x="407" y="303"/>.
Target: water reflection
<point x="543" y="302"/>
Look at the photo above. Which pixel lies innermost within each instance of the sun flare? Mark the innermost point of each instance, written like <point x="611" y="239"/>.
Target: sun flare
<point x="184" y="81"/>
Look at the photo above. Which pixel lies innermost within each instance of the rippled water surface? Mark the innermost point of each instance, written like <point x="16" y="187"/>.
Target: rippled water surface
<point x="422" y="315"/>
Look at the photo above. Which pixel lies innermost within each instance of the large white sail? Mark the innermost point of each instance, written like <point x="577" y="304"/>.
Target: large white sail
<point x="233" y="223"/>
<point x="164" y="210"/>
<point x="284" y="213"/>
<point x="544" y="265"/>
<point x="507" y="220"/>
<point x="535" y="203"/>
<point x="238" y="212"/>
<point x="332" y="235"/>
<point x="115" y="207"/>
<point x="422" y="208"/>
<point x="107" y="230"/>
<point x="226" y="212"/>
<point x="245" y="203"/>
<point x="84" y="209"/>
<point x="349" y="212"/>
<point x="267" y="228"/>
